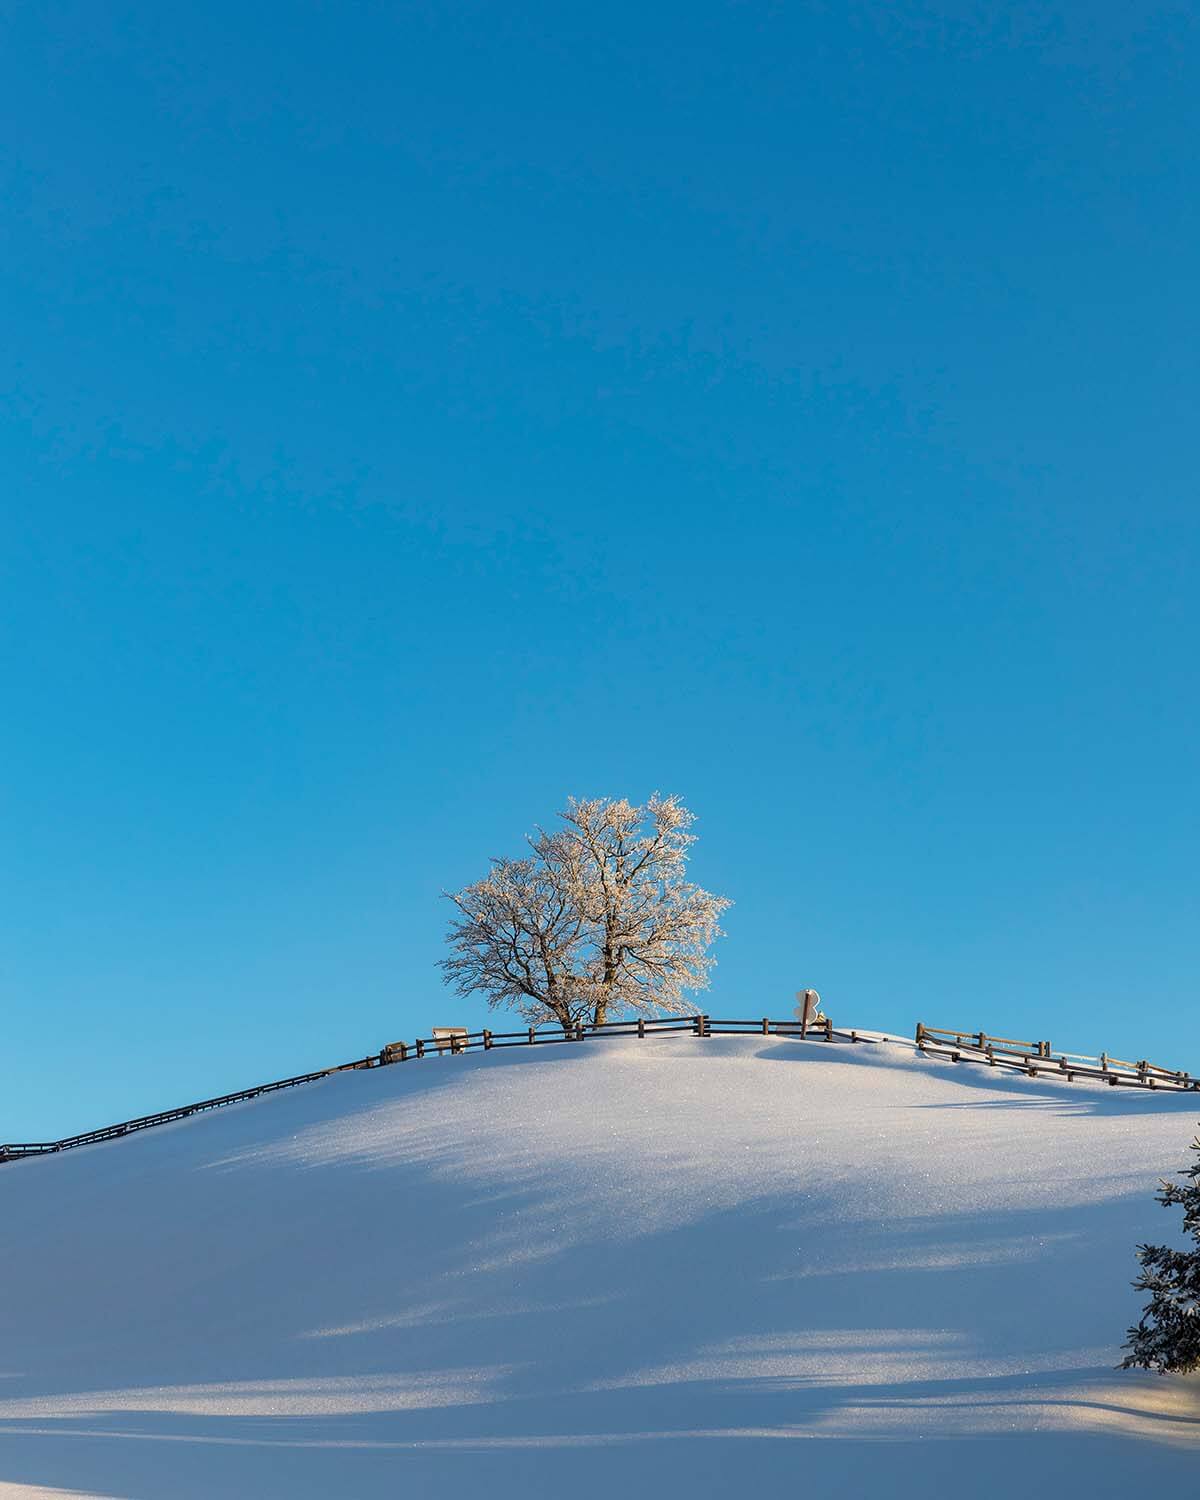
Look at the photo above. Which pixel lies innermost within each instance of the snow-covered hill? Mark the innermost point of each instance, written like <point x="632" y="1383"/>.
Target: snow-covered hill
<point x="674" y="1266"/>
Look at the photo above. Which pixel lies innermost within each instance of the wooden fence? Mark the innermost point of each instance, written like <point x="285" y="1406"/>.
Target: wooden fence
<point x="1035" y="1059"/>
<point x="14" y="1152"/>
<point x="452" y="1043"/>
<point x="1031" y="1058"/>
<point x="471" y="1041"/>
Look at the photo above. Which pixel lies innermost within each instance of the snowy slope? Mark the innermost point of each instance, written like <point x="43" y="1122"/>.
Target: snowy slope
<point x="658" y="1267"/>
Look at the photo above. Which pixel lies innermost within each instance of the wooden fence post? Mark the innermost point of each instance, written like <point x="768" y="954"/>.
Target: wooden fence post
<point x="920" y="1032"/>
<point x="487" y="1039"/>
<point x="766" y="1026"/>
<point x="420" y="1047"/>
<point x="641" y="1026"/>
<point x="828" y="1028"/>
<point x="531" y="1036"/>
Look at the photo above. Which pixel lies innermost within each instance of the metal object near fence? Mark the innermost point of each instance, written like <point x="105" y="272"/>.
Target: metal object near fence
<point x="808" y="1010"/>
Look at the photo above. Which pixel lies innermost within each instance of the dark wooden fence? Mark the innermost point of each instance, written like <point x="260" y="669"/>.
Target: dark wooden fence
<point x="14" y="1152"/>
<point x="472" y="1041"/>
<point x="1038" y="1058"/>
<point x="469" y="1041"/>
<point x="1031" y="1058"/>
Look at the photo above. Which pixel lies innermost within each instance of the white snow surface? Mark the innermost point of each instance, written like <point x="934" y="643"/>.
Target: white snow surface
<point x="670" y="1266"/>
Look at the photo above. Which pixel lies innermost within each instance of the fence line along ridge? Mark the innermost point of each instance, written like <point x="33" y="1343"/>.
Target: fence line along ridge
<point x="1033" y="1059"/>
<point x="453" y="1041"/>
<point x="1036" y="1058"/>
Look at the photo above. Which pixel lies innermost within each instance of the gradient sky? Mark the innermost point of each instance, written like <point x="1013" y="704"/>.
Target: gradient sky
<point x="416" y="414"/>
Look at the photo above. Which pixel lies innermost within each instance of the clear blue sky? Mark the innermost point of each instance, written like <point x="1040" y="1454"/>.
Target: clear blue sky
<point x="415" y="414"/>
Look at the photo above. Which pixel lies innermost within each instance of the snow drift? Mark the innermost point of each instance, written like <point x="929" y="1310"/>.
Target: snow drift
<point x="671" y="1266"/>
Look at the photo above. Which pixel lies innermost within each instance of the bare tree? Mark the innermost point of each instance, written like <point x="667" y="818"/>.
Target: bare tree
<point x="600" y="919"/>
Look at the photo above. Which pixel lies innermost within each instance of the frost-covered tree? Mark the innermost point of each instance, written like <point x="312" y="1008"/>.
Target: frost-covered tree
<point x="1168" y="1335"/>
<point x="597" y="920"/>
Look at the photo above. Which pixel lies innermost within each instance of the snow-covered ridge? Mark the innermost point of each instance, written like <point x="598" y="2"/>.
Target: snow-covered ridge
<point x="456" y="1041"/>
<point x="659" y="1265"/>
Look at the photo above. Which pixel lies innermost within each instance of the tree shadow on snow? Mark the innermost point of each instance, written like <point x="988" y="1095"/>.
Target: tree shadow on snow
<point x="347" y="1300"/>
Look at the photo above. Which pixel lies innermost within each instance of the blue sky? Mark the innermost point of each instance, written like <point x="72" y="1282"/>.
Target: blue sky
<point x="417" y="414"/>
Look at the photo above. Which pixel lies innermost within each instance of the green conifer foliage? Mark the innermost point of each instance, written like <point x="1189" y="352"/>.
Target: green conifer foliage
<point x="1167" y="1337"/>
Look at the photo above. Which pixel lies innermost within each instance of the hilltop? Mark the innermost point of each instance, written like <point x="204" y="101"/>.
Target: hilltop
<point x="658" y="1267"/>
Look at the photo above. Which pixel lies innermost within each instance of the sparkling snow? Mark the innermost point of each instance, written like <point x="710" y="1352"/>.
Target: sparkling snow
<point x="657" y="1265"/>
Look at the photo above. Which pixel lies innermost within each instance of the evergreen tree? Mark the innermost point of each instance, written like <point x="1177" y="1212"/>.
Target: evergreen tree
<point x="1167" y="1337"/>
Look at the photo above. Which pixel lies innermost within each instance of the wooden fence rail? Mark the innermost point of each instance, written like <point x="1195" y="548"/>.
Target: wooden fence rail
<point x="1031" y="1058"/>
<point x="453" y="1043"/>
<point x="1035" y="1059"/>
